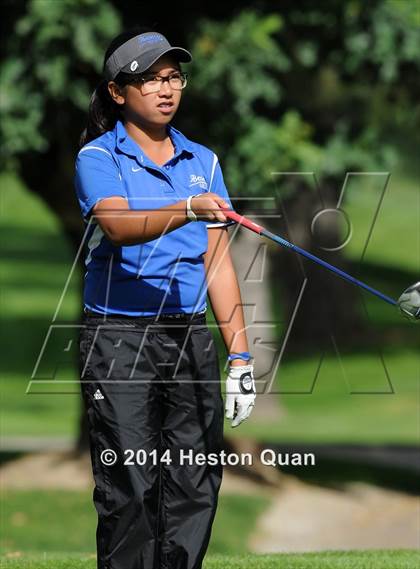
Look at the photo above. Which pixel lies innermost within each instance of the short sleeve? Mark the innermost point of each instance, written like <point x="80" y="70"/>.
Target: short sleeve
<point x="217" y="185"/>
<point x="97" y="177"/>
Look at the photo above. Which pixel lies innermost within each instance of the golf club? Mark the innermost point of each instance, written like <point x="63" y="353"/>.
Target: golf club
<point x="408" y="303"/>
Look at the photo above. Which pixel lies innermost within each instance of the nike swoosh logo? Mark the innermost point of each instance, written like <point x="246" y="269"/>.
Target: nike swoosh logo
<point x="135" y="169"/>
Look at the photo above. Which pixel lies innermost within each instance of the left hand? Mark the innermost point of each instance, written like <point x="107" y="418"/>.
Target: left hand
<point x="240" y="393"/>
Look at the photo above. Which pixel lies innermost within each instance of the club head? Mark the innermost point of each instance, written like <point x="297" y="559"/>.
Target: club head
<point x="409" y="302"/>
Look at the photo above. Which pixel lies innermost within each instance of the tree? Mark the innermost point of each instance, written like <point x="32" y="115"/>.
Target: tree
<point x="318" y="88"/>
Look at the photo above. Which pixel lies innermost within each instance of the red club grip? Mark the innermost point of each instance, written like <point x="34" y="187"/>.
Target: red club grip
<point x="230" y="214"/>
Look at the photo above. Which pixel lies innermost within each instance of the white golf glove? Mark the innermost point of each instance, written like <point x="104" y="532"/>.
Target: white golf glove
<point x="240" y="393"/>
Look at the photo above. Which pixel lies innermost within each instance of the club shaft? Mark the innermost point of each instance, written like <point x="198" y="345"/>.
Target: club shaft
<point x="277" y="239"/>
<point x="335" y="270"/>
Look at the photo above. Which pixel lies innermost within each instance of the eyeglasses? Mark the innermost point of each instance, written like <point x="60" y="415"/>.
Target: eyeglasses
<point x="153" y="83"/>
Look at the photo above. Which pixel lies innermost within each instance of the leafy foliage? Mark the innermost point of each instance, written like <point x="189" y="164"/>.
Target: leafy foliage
<point x="239" y="63"/>
<point x="310" y="90"/>
<point x="53" y="48"/>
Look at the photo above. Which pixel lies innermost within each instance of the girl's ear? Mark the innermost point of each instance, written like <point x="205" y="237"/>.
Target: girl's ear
<point x="116" y="93"/>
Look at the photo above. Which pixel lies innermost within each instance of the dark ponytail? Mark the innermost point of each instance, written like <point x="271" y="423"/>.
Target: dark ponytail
<point x="103" y="111"/>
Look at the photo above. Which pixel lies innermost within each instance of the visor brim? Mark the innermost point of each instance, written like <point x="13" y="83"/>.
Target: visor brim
<point x="147" y="60"/>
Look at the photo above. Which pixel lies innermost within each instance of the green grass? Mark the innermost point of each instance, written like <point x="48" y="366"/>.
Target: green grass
<point x="351" y="401"/>
<point x="38" y="414"/>
<point x="395" y="239"/>
<point x="36" y="258"/>
<point x="44" y="521"/>
<point x="380" y="559"/>
<point x="35" y="268"/>
<point x="36" y="263"/>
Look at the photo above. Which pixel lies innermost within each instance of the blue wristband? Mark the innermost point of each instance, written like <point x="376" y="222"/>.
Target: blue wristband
<point x="239" y="356"/>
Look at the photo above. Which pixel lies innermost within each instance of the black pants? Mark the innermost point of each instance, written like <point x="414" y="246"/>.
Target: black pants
<point x="152" y="388"/>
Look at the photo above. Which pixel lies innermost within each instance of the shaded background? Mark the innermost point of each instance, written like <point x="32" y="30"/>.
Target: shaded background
<point x="275" y="89"/>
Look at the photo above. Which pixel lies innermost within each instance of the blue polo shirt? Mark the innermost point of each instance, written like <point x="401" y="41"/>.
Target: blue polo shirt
<point x="167" y="274"/>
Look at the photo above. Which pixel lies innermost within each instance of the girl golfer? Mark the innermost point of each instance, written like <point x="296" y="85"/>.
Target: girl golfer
<point x="156" y="246"/>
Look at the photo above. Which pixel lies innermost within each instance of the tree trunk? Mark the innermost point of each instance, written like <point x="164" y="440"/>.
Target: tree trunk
<point x="326" y="307"/>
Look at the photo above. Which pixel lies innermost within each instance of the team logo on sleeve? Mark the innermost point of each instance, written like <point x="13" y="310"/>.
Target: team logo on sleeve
<point x="198" y="181"/>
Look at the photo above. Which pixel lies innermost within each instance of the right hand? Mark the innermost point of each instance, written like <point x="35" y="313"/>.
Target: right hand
<point x="207" y="207"/>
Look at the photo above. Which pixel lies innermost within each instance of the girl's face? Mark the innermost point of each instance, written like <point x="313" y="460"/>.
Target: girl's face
<point x="142" y="103"/>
